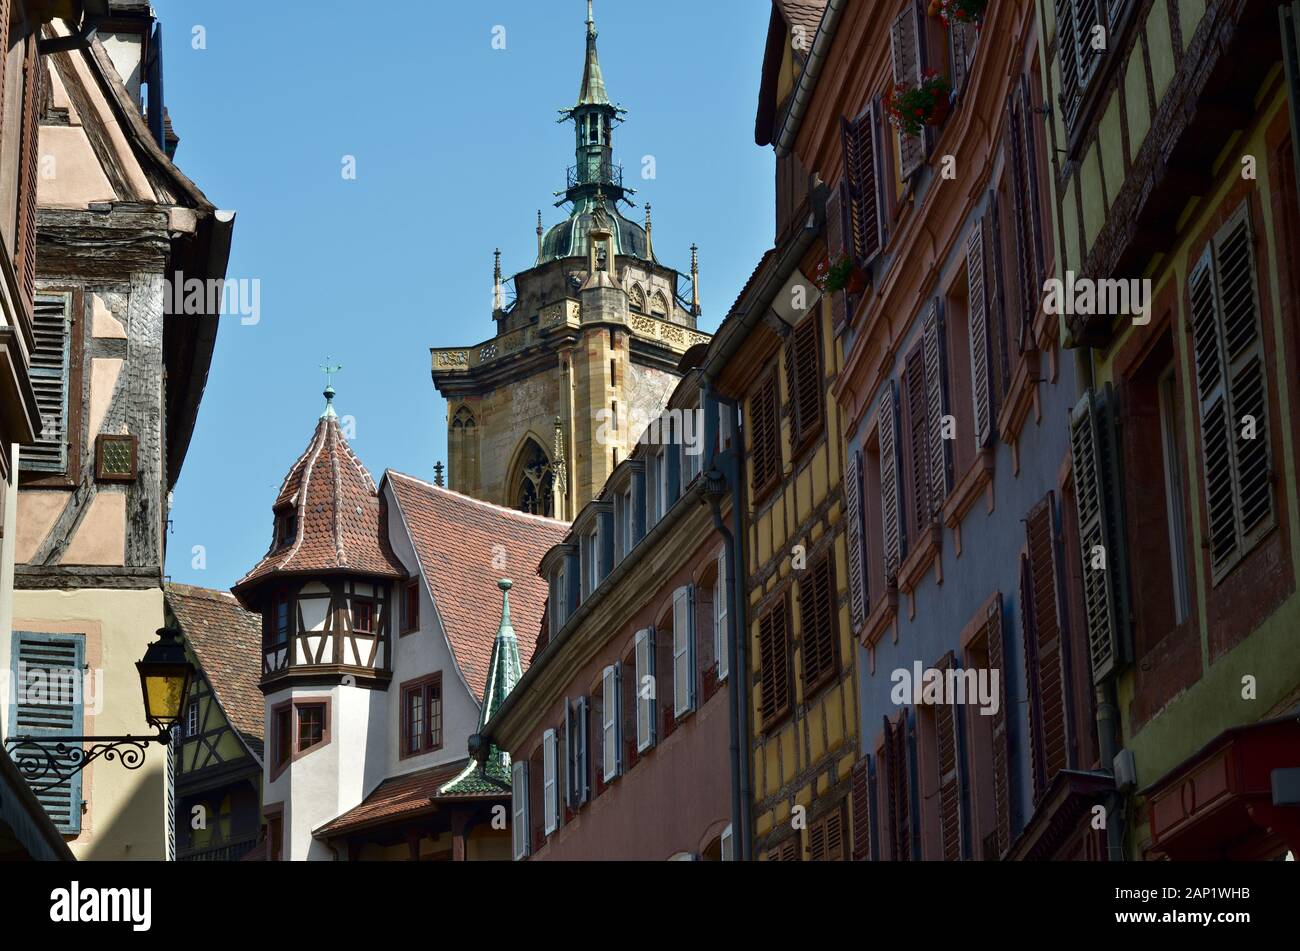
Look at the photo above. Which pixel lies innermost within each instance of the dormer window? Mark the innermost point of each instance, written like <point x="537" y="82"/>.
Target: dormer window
<point x="286" y="528"/>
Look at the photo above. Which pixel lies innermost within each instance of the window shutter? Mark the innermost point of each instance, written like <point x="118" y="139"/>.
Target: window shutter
<point x="836" y="206"/>
<point x="1071" y="94"/>
<point x="773" y="639"/>
<point x="49" y="674"/>
<point x="896" y="778"/>
<point x="570" y="754"/>
<point x="1044" y="627"/>
<point x="765" y="445"/>
<point x="904" y="37"/>
<point x="582" y="771"/>
<point x="1001" y="741"/>
<point x="645" y="706"/>
<point x="1243" y="356"/>
<point x="803" y="377"/>
<point x="550" y="785"/>
<point x="979" y="336"/>
<point x="861" y="143"/>
<point x="50" y="373"/>
<point x="25" y="240"/>
<point x="1036" y="260"/>
<point x="853" y="541"/>
<point x="826" y="837"/>
<point x="720" y="633"/>
<point x="936" y="398"/>
<point x="609" y="723"/>
<point x="918" y="442"/>
<point x="683" y="651"/>
<point x="963" y="38"/>
<point x="817" y="616"/>
<point x="519" y="804"/>
<point x="1088" y="15"/>
<point x="861" y="793"/>
<point x="727" y="845"/>
<point x="1094" y="490"/>
<point x="891" y="503"/>
<point x="945" y="722"/>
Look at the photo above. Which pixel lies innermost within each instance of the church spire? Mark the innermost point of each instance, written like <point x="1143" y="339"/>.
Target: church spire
<point x="593" y="80"/>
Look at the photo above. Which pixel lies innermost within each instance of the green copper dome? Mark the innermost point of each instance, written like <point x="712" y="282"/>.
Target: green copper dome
<point x="572" y="237"/>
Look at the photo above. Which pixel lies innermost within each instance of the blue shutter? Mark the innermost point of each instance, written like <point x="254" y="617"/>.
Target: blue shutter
<point x="56" y="713"/>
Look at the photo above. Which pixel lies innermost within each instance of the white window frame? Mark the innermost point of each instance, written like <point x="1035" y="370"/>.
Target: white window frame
<point x="645" y="706"/>
<point x="727" y="845"/>
<point x="609" y="716"/>
<point x="683" y="651"/>
<point x="550" y="782"/>
<point x="519" y="809"/>
<point x="720" y="640"/>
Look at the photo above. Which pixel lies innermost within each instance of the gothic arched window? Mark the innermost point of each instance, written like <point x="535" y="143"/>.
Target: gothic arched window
<point x="464" y="450"/>
<point x="536" y="482"/>
<point x="637" y="299"/>
<point x="659" y="305"/>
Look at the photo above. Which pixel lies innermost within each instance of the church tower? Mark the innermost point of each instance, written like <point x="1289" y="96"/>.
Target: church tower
<point x="586" y="353"/>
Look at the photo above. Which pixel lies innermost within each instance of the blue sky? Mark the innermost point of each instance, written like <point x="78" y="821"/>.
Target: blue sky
<point x="456" y="147"/>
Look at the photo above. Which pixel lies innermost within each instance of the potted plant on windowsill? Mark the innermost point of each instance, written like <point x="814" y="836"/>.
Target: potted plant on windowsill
<point x="911" y="108"/>
<point x="843" y="275"/>
<point x="970" y="12"/>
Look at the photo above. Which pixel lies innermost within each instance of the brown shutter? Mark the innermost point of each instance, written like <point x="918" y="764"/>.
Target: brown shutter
<point x="1029" y="181"/>
<point x="25" y="245"/>
<point x="936" y="398"/>
<point x="979" y="335"/>
<point x="765" y="442"/>
<point x="853" y="541"/>
<point x="945" y="722"/>
<point x="861" y="139"/>
<point x="803" y="377"/>
<point x="1001" y="741"/>
<point x="901" y="801"/>
<point x="918" y="441"/>
<point x="890" y="502"/>
<point x="774" y="652"/>
<point x="1046" y="657"/>
<point x="817" y="617"/>
<point x="835" y="249"/>
<point x="826" y="837"/>
<point x="4" y="50"/>
<point x="995" y="302"/>
<point x="1093" y="497"/>
<point x="905" y="36"/>
<point x="861" y="782"/>
<point x="1021" y="286"/>
<point x="1243" y="352"/>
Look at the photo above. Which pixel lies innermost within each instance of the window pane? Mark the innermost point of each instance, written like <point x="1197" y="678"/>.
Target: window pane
<point x="311" y="726"/>
<point x="414" y="731"/>
<point x="434" y="703"/>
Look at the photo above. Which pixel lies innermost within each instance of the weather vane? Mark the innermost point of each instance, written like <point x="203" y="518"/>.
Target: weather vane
<point x="329" y="371"/>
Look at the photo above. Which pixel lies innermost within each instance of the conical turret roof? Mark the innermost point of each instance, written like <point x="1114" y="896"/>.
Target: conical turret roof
<point x="593" y="79"/>
<point x="338" y="523"/>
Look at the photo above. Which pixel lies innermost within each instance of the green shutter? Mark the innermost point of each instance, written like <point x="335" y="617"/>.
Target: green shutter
<point x="58" y="662"/>
<point x="50" y="372"/>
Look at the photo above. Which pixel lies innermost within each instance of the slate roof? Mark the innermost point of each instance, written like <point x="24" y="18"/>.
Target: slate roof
<point x="464" y="547"/>
<point x="401" y="796"/>
<point x="341" y="523"/>
<point x="227" y="640"/>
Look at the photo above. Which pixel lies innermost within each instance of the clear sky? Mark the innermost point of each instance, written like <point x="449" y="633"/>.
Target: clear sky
<point x="456" y="147"/>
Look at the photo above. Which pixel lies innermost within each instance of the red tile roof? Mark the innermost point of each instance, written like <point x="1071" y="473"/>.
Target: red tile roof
<point x="227" y="640"/>
<point x="804" y="13"/>
<point x="399" y="797"/>
<point x="341" y="524"/>
<point x="464" y="547"/>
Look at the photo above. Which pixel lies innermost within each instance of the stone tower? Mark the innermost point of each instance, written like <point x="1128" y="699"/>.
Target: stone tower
<point x="587" y="352"/>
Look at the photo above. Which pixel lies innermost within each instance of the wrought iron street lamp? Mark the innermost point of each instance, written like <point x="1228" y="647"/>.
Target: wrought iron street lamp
<point x="165" y="677"/>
